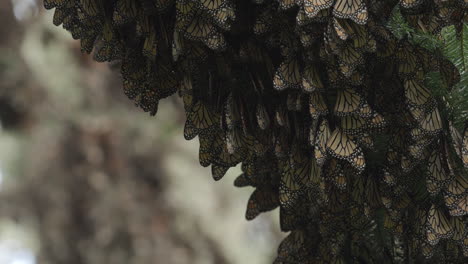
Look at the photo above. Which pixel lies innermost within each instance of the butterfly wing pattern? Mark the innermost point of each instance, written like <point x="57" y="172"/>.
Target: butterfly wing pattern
<point x="368" y="157"/>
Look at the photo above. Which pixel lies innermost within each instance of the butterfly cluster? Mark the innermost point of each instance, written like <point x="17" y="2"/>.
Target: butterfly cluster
<point x="325" y="108"/>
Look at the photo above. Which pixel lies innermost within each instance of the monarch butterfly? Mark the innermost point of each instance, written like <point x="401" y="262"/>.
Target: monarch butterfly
<point x="231" y="113"/>
<point x="293" y="248"/>
<point x="348" y="101"/>
<point x="336" y="171"/>
<point x="201" y="30"/>
<point x="290" y="191"/>
<point x="292" y="219"/>
<point x="459" y="228"/>
<point x="216" y="41"/>
<point x="340" y="31"/>
<point x="457" y="207"/>
<point x="294" y="101"/>
<point x="449" y="72"/>
<point x="352" y="124"/>
<point x="221" y="155"/>
<point x="218" y="171"/>
<point x="220" y="10"/>
<point x="407" y="61"/>
<point x="148" y="100"/>
<point x="377" y="121"/>
<point x="201" y="117"/>
<point x="263" y="199"/>
<point x="458" y="187"/>
<point x="372" y="192"/>
<point x="355" y="10"/>
<point x="107" y="51"/>
<point x="190" y="132"/>
<point x="243" y="180"/>
<point x="263" y="119"/>
<point x="317" y="106"/>
<point x="417" y="114"/>
<point x="438" y="226"/>
<point x="389" y="178"/>
<point x="152" y="6"/>
<point x="313" y="132"/>
<point x="150" y="46"/>
<point x="363" y="40"/>
<point x="287" y="75"/>
<point x="133" y="77"/>
<point x="185" y="11"/>
<point x="432" y="123"/>
<point x="281" y="116"/>
<point x="286" y="4"/>
<point x="263" y="22"/>
<point x="323" y="134"/>
<point x="416" y="93"/>
<point x="198" y="28"/>
<point x="60" y="14"/>
<point x="205" y="154"/>
<point x="49" y="4"/>
<point x="281" y="144"/>
<point x="349" y="57"/>
<point x="417" y="150"/>
<point x="299" y="166"/>
<point x="90" y="7"/>
<point x="311" y="79"/>
<point x="87" y="42"/>
<point x="125" y="11"/>
<point x="386" y="50"/>
<point x="163" y="80"/>
<point x="162" y="5"/>
<point x="410" y="3"/>
<point x="313" y="7"/>
<point x="341" y="146"/>
<point x="212" y="5"/>
<point x="417" y="134"/>
<point x="234" y="140"/>
<point x="358" y="190"/>
<point x="437" y="173"/>
<point x="465" y="147"/>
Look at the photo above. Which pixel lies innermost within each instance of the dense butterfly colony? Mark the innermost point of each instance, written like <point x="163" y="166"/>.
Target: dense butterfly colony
<point x="327" y="111"/>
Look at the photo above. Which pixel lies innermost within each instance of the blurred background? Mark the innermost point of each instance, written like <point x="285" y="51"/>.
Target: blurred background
<point x="88" y="178"/>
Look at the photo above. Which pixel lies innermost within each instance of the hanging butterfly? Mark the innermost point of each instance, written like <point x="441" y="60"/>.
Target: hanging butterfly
<point x="438" y="225"/>
<point x="263" y="199"/>
<point x="342" y="147"/>
<point x="355" y="10"/>
<point x="287" y="75"/>
<point x="465" y="147"/>
<point x="323" y="135"/>
<point x="313" y="7"/>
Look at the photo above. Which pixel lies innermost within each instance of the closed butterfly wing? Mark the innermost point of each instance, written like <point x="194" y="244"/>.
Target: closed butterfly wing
<point x="287" y="75"/>
<point x="348" y="102"/>
<point x="286" y="4"/>
<point x="323" y="134"/>
<point x="410" y="3"/>
<point x="432" y="123"/>
<point x="465" y="147"/>
<point x="263" y="199"/>
<point x="355" y="10"/>
<point x="125" y="11"/>
<point x="313" y="7"/>
<point x="416" y="93"/>
<point x="438" y="225"/>
<point x="342" y="147"/>
<point x="201" y="117"/>
<point x="317" y="106"/>
<point x="311" y="79"/>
